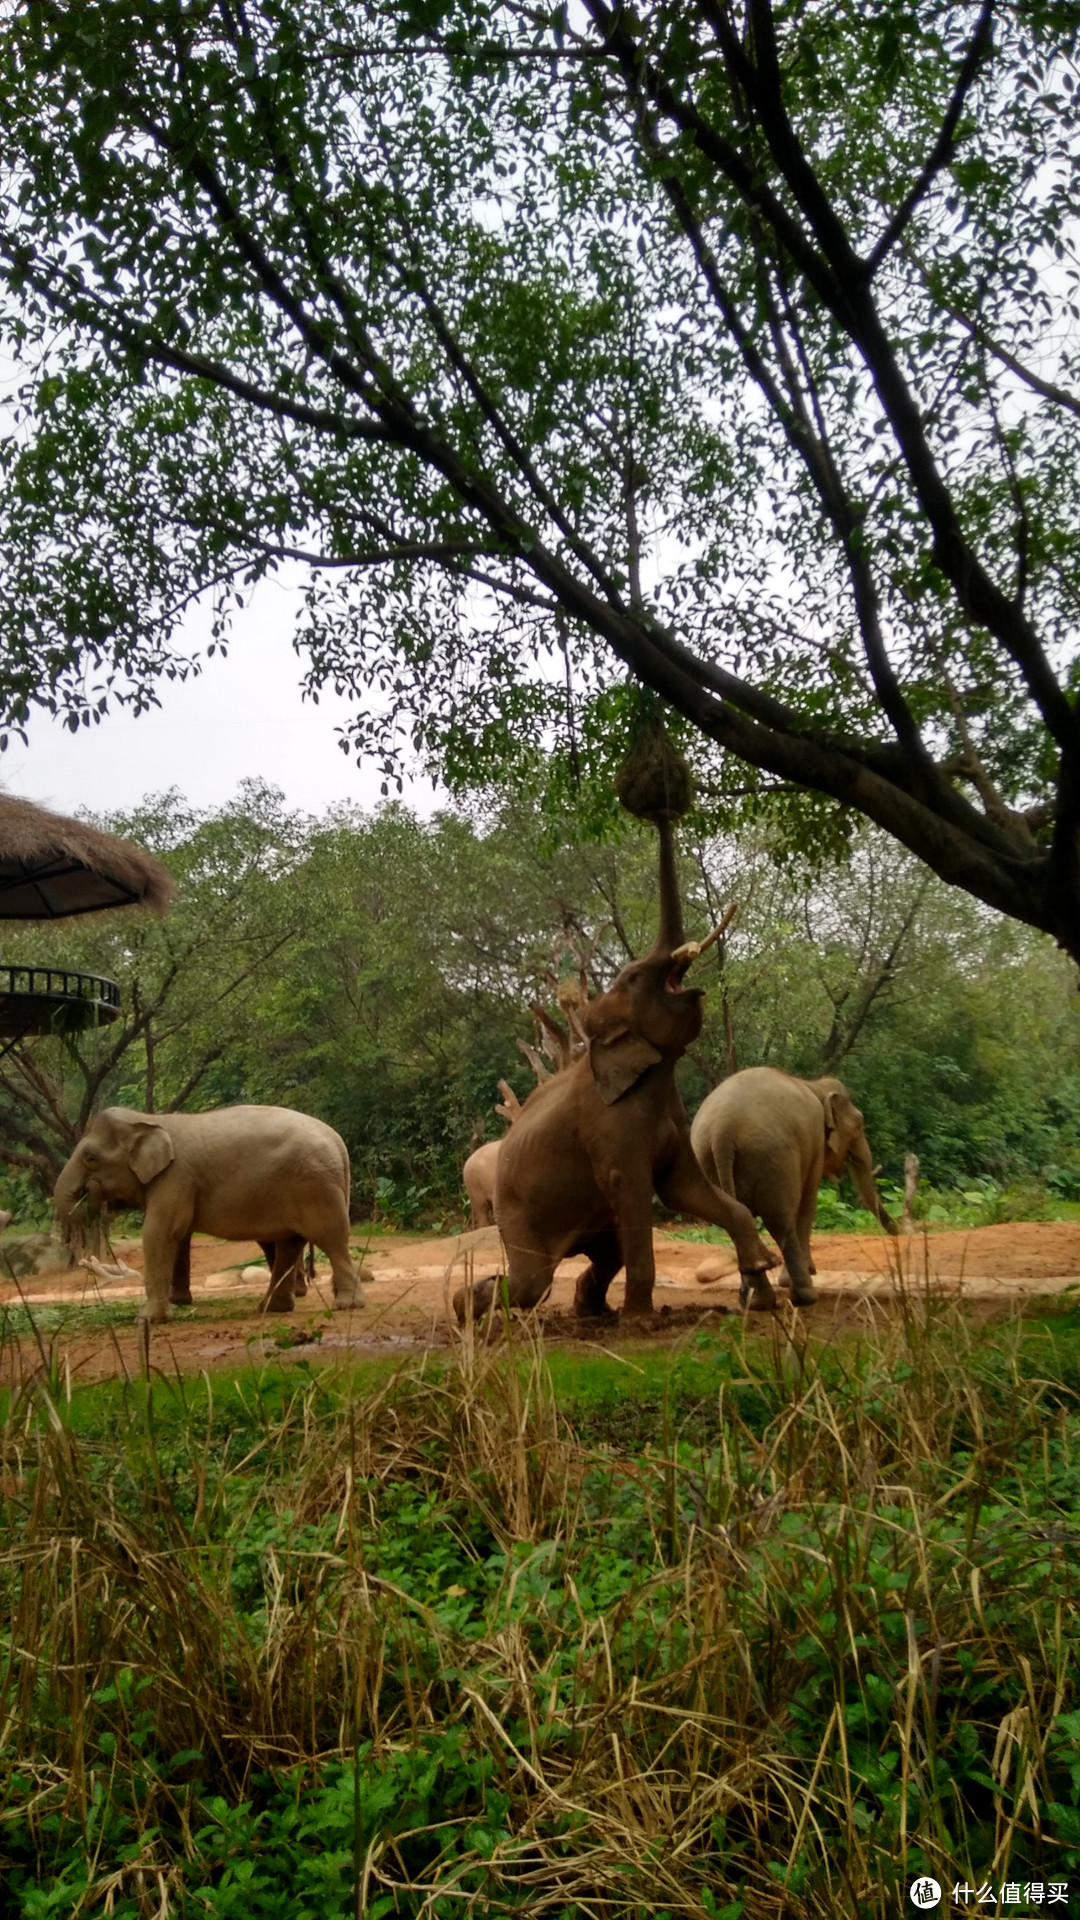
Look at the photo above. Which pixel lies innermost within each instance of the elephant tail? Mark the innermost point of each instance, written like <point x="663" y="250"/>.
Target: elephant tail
<point x="718" y="1163"/>
<point x="309" y="1260"/>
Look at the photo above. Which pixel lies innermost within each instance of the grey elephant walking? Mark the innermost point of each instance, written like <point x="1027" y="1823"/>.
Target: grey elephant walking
<point x="240" y="1173"/>
<point x="771" y="1139"/>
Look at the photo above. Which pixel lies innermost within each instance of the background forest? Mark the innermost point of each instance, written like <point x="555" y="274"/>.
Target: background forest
<point x="377" y="970"/>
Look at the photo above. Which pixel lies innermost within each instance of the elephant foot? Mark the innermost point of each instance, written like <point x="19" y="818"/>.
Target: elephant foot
<point x="755" y="1293"/>
<point x="150" y="1316"/>
<point x="590" y="1298"/>
<point x="345" y="1302"/>
<point x="783" y="1279"/>
<point x="181" y="1299"/>
<point x="803" y="1297"/>
<point x="300" y="1287"/>
<point x="481" y="1301"/>
<point x="637" y="1310"/>
<point x="486" y="1294"/>
<point x="277" y="1303"/>
<point x="481" y="1292"/>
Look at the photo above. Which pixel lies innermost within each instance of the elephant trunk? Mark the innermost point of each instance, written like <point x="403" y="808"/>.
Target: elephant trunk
<point x="79" y="1225"/>
<point x="671" y="933"/>
<point x="862" y="1170"/>
<point x="66" y="1192"/>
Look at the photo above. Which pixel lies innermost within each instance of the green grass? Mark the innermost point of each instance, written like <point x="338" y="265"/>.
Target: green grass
<point x="984" y="1203"/>
<point x="758" y="1628"/>
<point x="79" y="1318"/>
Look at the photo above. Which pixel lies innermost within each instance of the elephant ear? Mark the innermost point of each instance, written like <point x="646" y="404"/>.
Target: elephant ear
<point x="151" y="1152"/>
<point x="843" y="1129"/>
<point x="834" y="1146"/>
<point x="617" y="1061"/>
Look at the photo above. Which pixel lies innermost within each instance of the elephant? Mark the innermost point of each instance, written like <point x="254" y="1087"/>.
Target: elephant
<point x="771" y="1139"/>
<point x="577" y="1170"/>
<point x="241" y="1173"/>
<point x="478" y="1173"/>
<point x="564" y="1044"/>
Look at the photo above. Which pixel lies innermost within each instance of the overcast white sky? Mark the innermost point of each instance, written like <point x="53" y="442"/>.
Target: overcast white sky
<point x="240" y="717"/>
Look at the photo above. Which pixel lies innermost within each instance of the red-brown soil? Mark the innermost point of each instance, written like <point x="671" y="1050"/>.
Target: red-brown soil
<point x="860" y="1276"/>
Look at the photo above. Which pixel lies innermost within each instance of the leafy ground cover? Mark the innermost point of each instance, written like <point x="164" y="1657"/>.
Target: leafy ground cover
<point x="754" y="1630"/>
<point x="982" y="1203"/>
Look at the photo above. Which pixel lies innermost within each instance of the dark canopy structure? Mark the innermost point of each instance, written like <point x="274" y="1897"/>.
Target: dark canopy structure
<point x="51" y="867"/>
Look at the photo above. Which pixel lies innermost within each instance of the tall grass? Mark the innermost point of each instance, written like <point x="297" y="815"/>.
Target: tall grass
<point x="431" y="1644"/>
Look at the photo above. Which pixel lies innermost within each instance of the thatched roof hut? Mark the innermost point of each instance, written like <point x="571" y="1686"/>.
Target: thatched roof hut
<point x="51" y="867"/>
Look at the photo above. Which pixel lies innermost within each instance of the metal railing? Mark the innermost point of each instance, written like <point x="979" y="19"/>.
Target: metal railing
<point x="55" y="983"/>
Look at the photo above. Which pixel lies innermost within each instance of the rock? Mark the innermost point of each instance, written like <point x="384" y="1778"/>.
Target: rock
<point x="22" y="1254"/>
<point x="716" y="1267"/>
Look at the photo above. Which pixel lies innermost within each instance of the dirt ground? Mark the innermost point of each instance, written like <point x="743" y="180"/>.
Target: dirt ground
<point x="993" y="1269"/>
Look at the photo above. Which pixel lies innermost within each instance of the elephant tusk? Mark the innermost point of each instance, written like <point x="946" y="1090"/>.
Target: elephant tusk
<point x="693" y="949"/>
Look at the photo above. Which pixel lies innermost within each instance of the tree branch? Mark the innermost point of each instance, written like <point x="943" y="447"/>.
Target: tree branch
<point x="944" y="147"/>
<point x="839" y="277"/>
<point x="121" y="332"/>
<point x="1046" y="389"/>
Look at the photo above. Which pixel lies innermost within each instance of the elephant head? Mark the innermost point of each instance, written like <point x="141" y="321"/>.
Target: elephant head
<point x="114" y="1162"/>
<point x="646" y="1015"/>
<point x="846" y="1145"/>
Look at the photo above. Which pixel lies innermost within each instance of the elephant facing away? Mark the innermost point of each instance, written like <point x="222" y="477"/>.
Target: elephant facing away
<point x="478" y="1174"/>
<point x="239" y="1173"/>
<point x="771" y="1139"/>
<point x="563" y="1045"/>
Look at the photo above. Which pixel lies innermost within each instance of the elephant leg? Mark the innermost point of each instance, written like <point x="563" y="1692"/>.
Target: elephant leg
<point x="631" y="1200"/>
<point x="605" y="1259"/>
<point x="180" y="1290"/>
<point x="792" y="1235"/>
<point x="282" y="1292"/>
<point x="528" y="1281"/>
<point x="300" y="1285"/>
<point x="163" y="1244"/>
<point x="348" y="1291"/>
<point x="305" y="1271"/>
<point x="796" y="1273"/>
<point x="685" y="1189"/>
<point x="802" y="1291"/>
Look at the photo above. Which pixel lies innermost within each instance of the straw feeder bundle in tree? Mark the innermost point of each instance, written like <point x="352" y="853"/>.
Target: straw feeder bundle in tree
<point x="655" y="783"/>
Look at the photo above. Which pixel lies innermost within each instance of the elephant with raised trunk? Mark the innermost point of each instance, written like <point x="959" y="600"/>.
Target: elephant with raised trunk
<point x="771" y="1139"/>
<point x="577" y="1171"/>
<point x="239" y="1173"/>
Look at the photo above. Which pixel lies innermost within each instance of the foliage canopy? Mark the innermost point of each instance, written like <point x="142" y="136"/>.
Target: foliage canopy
<point x="732" y="349"/>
